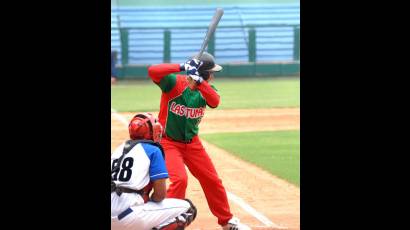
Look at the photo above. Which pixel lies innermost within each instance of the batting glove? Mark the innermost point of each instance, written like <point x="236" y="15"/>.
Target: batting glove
<point x="192" y="71"/>
<point x="193" y="63"/>
<point x="198" y="79"/>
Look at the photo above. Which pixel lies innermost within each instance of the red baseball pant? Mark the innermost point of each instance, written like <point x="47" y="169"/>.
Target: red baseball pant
<point x="194" y="156"/>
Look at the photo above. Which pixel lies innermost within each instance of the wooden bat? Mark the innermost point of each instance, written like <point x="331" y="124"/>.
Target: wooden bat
<point x="211" y="30"/>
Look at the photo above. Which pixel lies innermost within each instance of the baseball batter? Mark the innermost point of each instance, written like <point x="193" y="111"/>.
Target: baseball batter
<point x="138" y="167"/>
<point x="183" y="102"/>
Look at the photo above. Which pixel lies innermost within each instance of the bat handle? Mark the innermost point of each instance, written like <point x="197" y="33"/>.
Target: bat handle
<point x="198" y="56"/>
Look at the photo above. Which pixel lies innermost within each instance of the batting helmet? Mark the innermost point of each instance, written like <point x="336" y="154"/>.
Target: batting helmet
<point x="208" y="65"/>
<point x="145" y="126"/>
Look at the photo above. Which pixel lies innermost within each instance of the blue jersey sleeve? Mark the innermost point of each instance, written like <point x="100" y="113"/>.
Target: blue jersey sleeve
<point x="157" y="168"/>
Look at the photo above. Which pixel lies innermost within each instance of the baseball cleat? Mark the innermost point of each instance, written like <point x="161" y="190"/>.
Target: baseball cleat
<point x="235" y="224"/>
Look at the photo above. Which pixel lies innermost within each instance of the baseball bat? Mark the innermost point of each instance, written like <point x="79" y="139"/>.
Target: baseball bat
<point x="211" y="30"/>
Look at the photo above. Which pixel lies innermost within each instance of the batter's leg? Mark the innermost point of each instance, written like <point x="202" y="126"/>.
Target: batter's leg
<point x="202" y="168"/>
<point x="176" y="169"/>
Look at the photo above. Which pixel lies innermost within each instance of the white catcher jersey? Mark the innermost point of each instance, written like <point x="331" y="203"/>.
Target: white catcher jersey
<point x="142" y="164"/>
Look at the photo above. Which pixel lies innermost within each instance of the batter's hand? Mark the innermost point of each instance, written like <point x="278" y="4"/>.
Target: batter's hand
<point x="191" y="68"/>
<point x="198" y="79"/>
<point x="193" y="63"/>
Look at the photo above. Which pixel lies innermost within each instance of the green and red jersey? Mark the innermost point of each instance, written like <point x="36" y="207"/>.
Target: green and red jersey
<point x="181" y="108"/>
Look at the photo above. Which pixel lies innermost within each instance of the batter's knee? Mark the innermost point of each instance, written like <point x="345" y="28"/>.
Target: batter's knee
<point x="210" y="179"/>
<point x="181" y="181"/>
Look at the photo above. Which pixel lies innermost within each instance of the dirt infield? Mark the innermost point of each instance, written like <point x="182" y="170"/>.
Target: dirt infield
<point x="253" y="192"/>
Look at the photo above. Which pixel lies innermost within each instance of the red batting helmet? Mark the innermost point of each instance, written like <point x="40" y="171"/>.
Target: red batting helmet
<point x="145" y="126"/>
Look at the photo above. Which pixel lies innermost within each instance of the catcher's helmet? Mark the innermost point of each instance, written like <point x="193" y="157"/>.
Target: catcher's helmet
<point x="145" y="126"/>
<point x="208" y="65"/>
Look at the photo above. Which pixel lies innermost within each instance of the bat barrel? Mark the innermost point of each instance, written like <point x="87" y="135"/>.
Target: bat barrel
<point x="211" y="30"/>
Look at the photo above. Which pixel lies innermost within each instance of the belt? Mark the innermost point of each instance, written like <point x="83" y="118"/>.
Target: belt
<point x="124" y="213"/>
<point x="180" y="141"/>
<point x="120" y="190"/>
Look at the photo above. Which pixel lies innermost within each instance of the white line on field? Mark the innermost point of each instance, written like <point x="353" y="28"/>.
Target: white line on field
<point x="119" y="116"/>
<point x="239" y="201"/>
<point x="245" y="206"/>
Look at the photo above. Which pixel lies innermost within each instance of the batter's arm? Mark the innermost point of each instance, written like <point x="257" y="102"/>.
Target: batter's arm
<point x="158" y="72"/>
<point x="211" y="96"/>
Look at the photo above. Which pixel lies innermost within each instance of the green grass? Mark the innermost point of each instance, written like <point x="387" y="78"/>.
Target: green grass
<point x="131" y="96"/>
<point x="277" y="152"/>
<point x="135" y="96"/>
<point x="193" y="2"/>
<point x="258" y="93"/>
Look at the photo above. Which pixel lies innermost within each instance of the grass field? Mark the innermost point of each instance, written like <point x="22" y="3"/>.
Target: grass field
<point x="141" y="95"/>
<point x="277" y="152"/>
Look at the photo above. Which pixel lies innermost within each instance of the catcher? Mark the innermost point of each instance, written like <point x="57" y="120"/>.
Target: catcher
<point x="183" y="102"/>
<point x="137" y="168"/>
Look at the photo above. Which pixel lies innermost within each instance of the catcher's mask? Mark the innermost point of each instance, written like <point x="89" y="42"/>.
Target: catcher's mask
<point x="145" y="126"/>
<point x="208" y="65"/>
